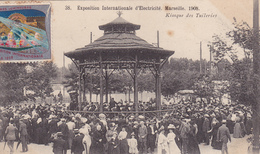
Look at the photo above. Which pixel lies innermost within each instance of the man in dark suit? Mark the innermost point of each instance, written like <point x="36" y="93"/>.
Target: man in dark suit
<point x="206" y="128"/>
<point x="63" y="128"/>
<point x="77" y="146"/>
<point x="23" y="135"/>
<point x="223" y="136"/>
<point x="142" y="135"/>
<point x="59" y="145"/>
<point x="151" y="136"/>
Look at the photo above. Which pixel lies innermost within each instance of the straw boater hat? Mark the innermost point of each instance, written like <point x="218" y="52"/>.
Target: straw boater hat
<point x="101" y="115"/>
<point x="76" y="131"/>
<point x="141" y="117"/>
<point x="206" y="115"/>
<point x="78" y="116"/>
<point x="171" y="126"/>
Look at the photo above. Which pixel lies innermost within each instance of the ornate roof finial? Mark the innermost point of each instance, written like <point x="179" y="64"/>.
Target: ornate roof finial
<point x="119" y="13"/>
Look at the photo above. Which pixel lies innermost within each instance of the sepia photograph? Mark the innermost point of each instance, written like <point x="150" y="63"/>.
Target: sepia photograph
<point x="129" y="77"/>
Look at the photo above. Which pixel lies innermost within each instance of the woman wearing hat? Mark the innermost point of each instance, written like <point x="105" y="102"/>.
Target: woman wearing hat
<point x="171" y="140"/>
<point x="98" y="140"/>
<point x="87" y="138"/>
<point x="237" y="128"/>
<point x="123" y="142"/>
<point x="162" y="145"/>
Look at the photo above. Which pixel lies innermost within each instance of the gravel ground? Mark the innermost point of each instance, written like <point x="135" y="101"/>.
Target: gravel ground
<point x="237" y="146"/>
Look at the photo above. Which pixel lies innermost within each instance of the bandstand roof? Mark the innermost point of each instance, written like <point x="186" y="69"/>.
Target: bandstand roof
<point x="119" y="42"/>
<point x="119" y="21"/>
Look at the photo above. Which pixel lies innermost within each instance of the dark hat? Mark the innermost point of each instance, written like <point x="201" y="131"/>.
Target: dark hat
<point x="59" y="134"/>
<point x="76" y="131"/>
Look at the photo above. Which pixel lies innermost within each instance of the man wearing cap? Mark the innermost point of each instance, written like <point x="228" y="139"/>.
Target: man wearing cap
<point x="151" y="136"/>
<point x="10" y="135"/>
<point x="206" y="128"/>
<point x="59" y="145"/>
<point x="142" y="133"/>
<point x="77" y="146"/>
<point x="184" y="131"/>
<point x="52" y="125"/>
<point x="63" y="128"/>
<point x="23" y="135"/>
<point x="223" y="135"/>
<point x="71" y="126"/>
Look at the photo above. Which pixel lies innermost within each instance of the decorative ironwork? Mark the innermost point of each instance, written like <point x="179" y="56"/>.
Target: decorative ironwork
<point x="120" y="49"/>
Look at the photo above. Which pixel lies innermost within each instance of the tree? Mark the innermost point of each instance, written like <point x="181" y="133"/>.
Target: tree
<point x="38" y="80"/>
<point x="12" y="77"/>
<point x="204" y="88"/>
<point x="241" y="70"/>
<point x="179" y="74"/>
<point x="71" y="78"/>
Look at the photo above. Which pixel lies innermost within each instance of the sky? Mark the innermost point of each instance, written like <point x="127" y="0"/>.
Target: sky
<point x="71" y="28"/>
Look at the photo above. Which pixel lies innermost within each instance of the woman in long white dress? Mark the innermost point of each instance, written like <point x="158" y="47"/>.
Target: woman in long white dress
<point x="87" y="138"/>
<point x="162" y="145"/>
<point x="171" y="141"/>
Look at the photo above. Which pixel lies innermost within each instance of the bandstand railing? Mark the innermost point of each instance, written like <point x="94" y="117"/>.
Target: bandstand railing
<point x="126" y="114"/>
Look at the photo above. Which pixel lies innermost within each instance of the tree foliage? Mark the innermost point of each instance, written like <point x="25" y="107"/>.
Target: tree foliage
<point x="179" y="74"/>
<point x="11" y="81"/>
<point x="241" y="69"/>
<point x="38" y="80"/>
<point x="23" y="81"/>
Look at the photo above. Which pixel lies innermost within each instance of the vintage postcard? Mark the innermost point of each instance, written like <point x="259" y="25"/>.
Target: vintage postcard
<point x="130" y="76"/>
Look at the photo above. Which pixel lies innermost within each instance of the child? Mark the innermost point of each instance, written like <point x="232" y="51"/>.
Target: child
<point x="132" y="143"/>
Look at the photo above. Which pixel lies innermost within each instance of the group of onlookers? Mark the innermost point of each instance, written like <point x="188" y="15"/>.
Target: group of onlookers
<point x="179" y="131"/>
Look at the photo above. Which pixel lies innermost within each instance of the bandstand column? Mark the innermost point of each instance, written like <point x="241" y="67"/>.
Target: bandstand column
<point x="80" y="99"/>
<point x="101" y="82"/>
<point x="135" y="85"/>
<point x="106" y="78"/>
<point x="156" y="89"/>
<point x="84" y="82"/>
<point x="159" y="89"/>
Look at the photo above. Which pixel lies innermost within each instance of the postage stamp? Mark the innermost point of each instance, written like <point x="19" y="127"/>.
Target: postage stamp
<point x="25" y="32"/>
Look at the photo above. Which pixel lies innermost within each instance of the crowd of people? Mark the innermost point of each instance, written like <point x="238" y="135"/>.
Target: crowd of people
<point x="115" y="106"/>
<point x="180" y="130"/>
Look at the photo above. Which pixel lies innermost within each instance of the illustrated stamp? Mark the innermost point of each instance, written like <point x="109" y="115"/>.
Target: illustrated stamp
<point x="25" y="32"/>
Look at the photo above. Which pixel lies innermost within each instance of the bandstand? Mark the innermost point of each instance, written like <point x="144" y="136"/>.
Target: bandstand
<point x="120" y="48"/>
